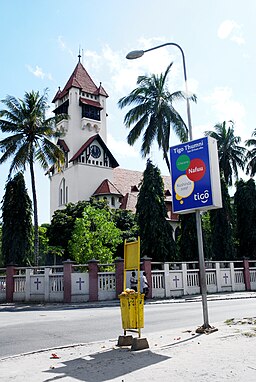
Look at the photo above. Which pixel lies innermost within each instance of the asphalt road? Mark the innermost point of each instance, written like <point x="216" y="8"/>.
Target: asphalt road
<point x="24" y="329"/>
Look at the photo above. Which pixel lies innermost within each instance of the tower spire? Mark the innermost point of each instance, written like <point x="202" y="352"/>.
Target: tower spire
<point x="79" y="55"/>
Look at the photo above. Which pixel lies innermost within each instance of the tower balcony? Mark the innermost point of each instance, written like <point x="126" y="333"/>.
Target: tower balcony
<point x="92" y="126"/>
<point x="62" y="126"/>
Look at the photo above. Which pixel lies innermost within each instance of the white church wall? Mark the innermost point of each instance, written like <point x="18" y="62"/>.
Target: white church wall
<point x="81" y="182"/>
<point x="75" y="135"/>
<point x="81" y="129"/>
<point x="103" y="122"/>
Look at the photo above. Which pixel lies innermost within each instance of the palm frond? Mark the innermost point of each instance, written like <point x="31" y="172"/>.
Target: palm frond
<point x="137" y="129"/>
<point x="48" y="153"/>
<point x="20" y="158"/>
<point x="153" y="113"/>
<point x="135" y="114"/>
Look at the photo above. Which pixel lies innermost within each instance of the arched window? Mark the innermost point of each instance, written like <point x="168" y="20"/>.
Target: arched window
<point x="63" y="192"/>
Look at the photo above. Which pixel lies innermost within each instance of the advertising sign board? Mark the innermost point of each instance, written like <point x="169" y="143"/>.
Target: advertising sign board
<point x="195" y="176"/>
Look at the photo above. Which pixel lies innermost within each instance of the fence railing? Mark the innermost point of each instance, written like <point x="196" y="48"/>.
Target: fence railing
<point x="2" y="284"/>
<point x="80" y="283"/>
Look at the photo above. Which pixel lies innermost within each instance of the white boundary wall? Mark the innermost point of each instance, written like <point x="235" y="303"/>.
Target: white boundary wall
<point x="46" y="284"/>
<point x="181" y="279"/>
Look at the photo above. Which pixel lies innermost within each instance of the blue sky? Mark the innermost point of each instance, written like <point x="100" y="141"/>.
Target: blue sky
<point x="40" y="42"/>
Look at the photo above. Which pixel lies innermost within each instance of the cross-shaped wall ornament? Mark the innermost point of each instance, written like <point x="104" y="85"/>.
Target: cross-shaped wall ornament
<point x="176" y="281"/>
<point x="80" y="282"/>
<point x="37" y="282"/>
<point x="225" y="278"/>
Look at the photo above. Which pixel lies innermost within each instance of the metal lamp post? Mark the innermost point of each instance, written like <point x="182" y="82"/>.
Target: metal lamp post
<point x="139" y="53"/>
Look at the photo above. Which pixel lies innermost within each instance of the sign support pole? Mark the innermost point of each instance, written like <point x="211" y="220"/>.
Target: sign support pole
<point x="137" y="54"/>
<point x="202" y="272"/>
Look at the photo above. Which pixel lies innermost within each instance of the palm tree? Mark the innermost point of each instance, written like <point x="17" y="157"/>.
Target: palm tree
<point x="251" y="155"/>
<point x="231" y="155"/>
<point x="154" y="113"/>
<point x="30" y="141"/>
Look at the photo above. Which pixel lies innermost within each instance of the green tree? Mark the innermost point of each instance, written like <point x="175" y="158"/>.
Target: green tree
<point x="245" y="207"/>
<point x="251" y="155"/>
<point x="30" y="141"/>
<point x="95" y="236"/>
<point x="222" y="228"/>
<point x="231" y="155"/>
<point x="207" y="234"/>
<point x="1" y="257"/>
<point x="125" y="221"/>
<point x="187" y="238"/>
<point x="154" y="112"/>
<point x="62" y="225"/>
<point x="156" y="233"/>
<point x="17" y="231"/>
<point x="48" y="254"/>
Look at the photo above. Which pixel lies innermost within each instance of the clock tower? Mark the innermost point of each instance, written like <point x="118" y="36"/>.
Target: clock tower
<point x="83" y="139"/>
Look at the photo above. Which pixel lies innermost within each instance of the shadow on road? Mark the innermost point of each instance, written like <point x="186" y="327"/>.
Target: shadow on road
<point x="105" y="365"/>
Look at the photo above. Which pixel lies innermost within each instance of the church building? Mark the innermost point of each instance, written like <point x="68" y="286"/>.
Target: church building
<point x="90" y="169"/>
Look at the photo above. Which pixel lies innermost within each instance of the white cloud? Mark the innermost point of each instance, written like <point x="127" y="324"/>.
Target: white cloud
<point x="92" y="58"/>
<point x="124" y="73"/>
<point x="226" y="28"/>
<point x="199" y="130"/>
<point x="230" y="29"/>
<point x="238" y="39"/>
<point x="193" y="85"/>
<point x="121" y="148"/>
<point x="64" y="46"/>
<point x="226" y="108"/>
<point x="38" y="72"/>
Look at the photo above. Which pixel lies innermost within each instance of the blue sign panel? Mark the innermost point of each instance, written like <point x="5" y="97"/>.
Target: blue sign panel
<point x="191" y="176"/>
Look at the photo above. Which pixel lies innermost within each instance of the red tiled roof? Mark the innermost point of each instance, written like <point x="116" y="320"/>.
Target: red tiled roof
<point x="134" y="189"/>
<point x="82" y="148"/>
<point x="106" y="188"/>
<point x="126" y="180"/>
<point x="91" y="102"/>
<point x="63" y="145"/>
<point x="56" y="95"/>
<point x="96" y="137"/>
<point x="123" y="205"/>
<point x="81" y="80"/>
<point x="101" y="91"/>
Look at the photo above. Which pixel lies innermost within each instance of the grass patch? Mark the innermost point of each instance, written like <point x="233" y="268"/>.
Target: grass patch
<point x="230" y="321"/>
<point x="249" y="334"/>
<point x="243" y="321"/>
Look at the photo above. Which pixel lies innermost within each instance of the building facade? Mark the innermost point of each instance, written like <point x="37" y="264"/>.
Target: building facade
<point x="90" y="169"/>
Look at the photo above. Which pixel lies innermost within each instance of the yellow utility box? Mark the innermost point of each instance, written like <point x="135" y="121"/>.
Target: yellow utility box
<point x="132" y="310"/>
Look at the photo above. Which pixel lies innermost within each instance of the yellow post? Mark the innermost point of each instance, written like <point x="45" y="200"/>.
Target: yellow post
<point x="132" y="303"/>
<point x="132" y="259"/>
<point x="132" y="262"/>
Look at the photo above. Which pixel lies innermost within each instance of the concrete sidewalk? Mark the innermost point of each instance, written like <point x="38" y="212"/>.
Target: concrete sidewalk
<point x="180" y="355"/>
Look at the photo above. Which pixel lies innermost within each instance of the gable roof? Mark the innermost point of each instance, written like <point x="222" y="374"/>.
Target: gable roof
<point x="90" y="102"/>
<point x="98" y="138"/>
<point x="80" y="79"/>
<point x="127" y="181"/>
<point x="106" y="188"/>
<point x="63" y="145"/>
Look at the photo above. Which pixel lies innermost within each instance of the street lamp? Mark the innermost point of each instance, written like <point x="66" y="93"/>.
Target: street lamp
<point x="137" y="54"/>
